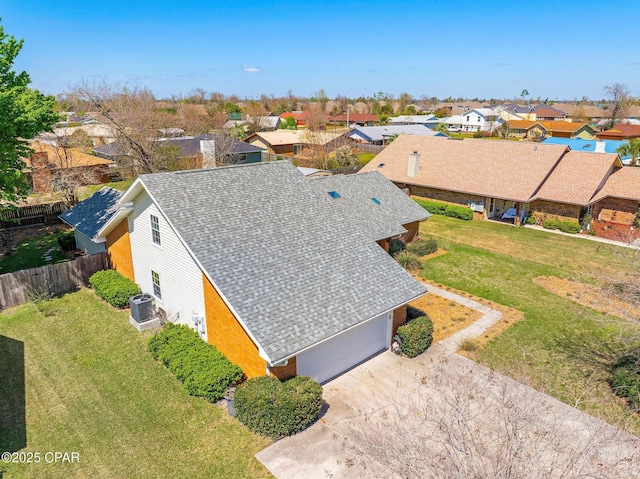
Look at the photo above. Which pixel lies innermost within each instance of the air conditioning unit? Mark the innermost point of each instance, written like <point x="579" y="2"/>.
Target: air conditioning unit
<point x="143" y="307"/>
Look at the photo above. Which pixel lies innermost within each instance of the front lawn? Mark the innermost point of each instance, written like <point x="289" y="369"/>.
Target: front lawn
<point x="32" y="252"/>
<point x="561" y="347"/>
<point x="91" y="387"/>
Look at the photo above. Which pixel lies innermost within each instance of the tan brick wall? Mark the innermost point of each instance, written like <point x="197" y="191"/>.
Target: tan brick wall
<point x="551" y="209"/>
<point x="119" y="250"/>
<point x="399" y="318"/>
<point x="226" y="334"/>
<point x="412" y="231"/>
<point x="285" y="372"/>
<point x="443" y="195"/>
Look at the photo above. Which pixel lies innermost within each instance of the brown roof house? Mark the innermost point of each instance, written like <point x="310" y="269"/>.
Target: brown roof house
<point x="539" y="130"/>
<point x="620" y="131"/>
<point x="268" y="265"/>
<point x="506" y="179"/>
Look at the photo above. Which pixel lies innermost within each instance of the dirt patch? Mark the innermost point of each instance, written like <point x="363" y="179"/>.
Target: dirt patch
<point x="435" y="254"/>
<point x="13" y="237"/>
<point x="590" y="296"/>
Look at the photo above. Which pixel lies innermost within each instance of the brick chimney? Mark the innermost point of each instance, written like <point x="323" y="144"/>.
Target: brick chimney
<point x="414" y="164"/>
<point x="208" y="149"/>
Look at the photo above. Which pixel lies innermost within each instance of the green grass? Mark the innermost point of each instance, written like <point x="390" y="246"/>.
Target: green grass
<point x="91" y="189"/>
<point x="30" y="253"/>
<point x="92" y="388"/>
<point x="561" y="347"/>
<point x="365" y="158"/>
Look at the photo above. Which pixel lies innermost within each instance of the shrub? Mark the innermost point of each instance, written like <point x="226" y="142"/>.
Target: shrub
<point x="433" y="207"/>
<point x="625" y="380"/>
<point x="415" y="336"/>
<point x="408" y="261"/>
<point x="204" y="371"/>
<point x="570" y="226"/>
<point x="423" y="247"/>
<point x="531" y="220"/>
<point x="396" y="246"/>
<point x="551" y="224"/>
<point x="273" y="408"/>
<point x="461" y="212"/>
<point x="67" y="241"/>
<point x="114" y="288"/>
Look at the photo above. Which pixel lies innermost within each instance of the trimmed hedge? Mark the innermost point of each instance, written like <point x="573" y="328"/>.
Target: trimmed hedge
<point x="204" y="371"/>
<point x="114" y="288"/>
<point x="273" y="408"/>
<point x="396" y="246"/>
<point x="563" y="225"/>
<point x="625" y="381"/>
<point x="423" y="247"/>
<point x="453" y="211"/>
<point x="415" y="336"/>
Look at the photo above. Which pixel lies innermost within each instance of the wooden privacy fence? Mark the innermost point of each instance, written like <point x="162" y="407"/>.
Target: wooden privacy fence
<point x="367" y="148"/>
<point x="32" y="215"/>
<point x="39" y="283"/>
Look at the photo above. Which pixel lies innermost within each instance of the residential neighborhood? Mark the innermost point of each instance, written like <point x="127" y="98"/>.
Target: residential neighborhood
<point x="366" y="278"/>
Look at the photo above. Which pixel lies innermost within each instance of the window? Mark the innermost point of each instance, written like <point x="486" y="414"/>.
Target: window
<point x="297" y="150"/>
<point x="155" y="229"/>
<point x="155" y="278"/>
<point x="467" y="118"/>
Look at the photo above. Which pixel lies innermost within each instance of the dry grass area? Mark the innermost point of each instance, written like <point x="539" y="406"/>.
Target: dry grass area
<point x="590" y="296"/>
<point x="450" y="317"/>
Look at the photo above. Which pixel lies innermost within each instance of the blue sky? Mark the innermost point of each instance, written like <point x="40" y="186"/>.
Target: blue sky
<point x="554" y="49"/>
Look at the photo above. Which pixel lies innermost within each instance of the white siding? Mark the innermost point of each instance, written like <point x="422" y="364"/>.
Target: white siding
<point x="180" y="276"/>
<point x="84" y="243"/>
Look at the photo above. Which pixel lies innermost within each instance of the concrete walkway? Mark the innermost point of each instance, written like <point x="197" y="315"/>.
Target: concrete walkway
<point x="381" y="399"/>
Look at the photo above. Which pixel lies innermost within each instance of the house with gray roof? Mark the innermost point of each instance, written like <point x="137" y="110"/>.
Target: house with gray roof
<point x="381" y="135"/>
<point x="89" y="216"/>
<point x="283" y="274"/>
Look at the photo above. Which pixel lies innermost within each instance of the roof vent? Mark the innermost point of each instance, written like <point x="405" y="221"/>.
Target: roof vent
<point x="334" y="194"/>
<point x="414" y="164"/>
<point x="375" y="200"/>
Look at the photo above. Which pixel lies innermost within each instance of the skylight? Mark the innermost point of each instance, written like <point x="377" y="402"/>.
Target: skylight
<point x="334" y="194"/>
<point x="380" y="165"/>
<point x="375" y="200"/>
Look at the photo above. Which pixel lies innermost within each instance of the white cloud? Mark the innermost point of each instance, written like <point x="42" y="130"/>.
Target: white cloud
<point x="249" y="69"/>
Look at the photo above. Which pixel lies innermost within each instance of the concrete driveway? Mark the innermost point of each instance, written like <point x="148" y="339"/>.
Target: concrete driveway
<point x="441" y="415"/>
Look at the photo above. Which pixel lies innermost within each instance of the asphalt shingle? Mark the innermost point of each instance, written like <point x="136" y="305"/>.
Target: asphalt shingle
<point x="90" y="215"/>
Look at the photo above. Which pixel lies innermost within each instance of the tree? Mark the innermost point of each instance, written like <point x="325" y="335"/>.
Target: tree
<point x="134" y="116"/>
<point x="289" y="123"/>
<point x="619" y="102"/>
<point x="632" y="149"/>
<point x="24" y="113"/>
<point x="442" y="128"/>
<point x="524" y="94"/>
<point x="403" y="101"/>
<point x="80" y="139"/>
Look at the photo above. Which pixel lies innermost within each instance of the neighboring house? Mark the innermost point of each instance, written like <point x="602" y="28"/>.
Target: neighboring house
<point x="99" y="133"/>
<point x="547" y="113"/>
<point x="362" y="119"/>
<point x="523" y="112"/>
<point x="310" y="116"/>
<point x="620" y="131"/>
<point x="284" y="275"/>
<point x="89" y="216"/>
<point x="299" y="143"/>
<point x="261" y="123"/>
<point x="501" y="179"/>
<point x="312" y="173"/>
<point x="596" y="146"/>
<point x="478" y="119"/>
<point x="430" y="121"/>
<point x="618" y="201"/>
<point x="380" y="135"/>
<point x="51" y="164"/>
<point x="195" y="152"/>
<point x="539" y="130"/>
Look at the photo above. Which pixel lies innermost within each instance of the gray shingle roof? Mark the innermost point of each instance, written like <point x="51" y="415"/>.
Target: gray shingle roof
<point x="288" y="257"/>
<point x="90" y="215"/>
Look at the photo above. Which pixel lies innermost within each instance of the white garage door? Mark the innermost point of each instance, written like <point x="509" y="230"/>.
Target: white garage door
<point x="335" y="356"/>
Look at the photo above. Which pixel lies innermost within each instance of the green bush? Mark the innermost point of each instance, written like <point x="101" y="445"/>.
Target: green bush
<point x="438" y="208"/>
<point x="396" y="246"/>
<point x="114" y="288"/>
<point x="67" y="241"/>
<point x="415" y="336"/>
<point x="204" y="371"/>
<point x="551" y="224"/>
<point x="433" y="207"/>
<point x="531" y="220"/>
<point x="570" y="226"/>
<point x="273" y="408"/>
<point x="461" y="212"/>
<point x="625" y="381"/>
<point x="408" y="261"/>
<point x="423" y="247"/>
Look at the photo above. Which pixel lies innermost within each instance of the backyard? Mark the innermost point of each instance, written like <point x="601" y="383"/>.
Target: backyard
<point x="78" y="378"/>
<point x="562" y="348"/>
<point x="19" y="250"/>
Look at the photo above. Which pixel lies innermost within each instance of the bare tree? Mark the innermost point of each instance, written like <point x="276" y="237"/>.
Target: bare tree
<point x="619" y="102"/>
<point x="469" y="424"/>
<point x="133" y="114"/>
